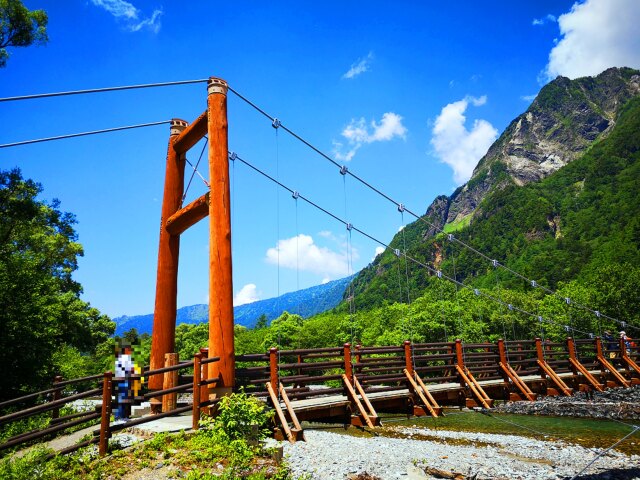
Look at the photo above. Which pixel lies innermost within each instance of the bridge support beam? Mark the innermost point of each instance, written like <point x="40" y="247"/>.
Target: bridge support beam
<point x="164" y="312"/>
<point x="221" y="342"/>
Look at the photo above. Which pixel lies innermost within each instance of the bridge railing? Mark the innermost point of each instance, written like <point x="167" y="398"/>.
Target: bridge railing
<point x="586" y="353"/>
<point x="522" y="356"/>
<point x="556" y="355"/>
<point x="41" y="410"/>
<point x="435" y="362"/>
<point x="380" y="367"/>
<point x="482" y="360"/>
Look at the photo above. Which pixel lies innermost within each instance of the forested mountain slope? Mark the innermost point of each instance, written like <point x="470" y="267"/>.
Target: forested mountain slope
<point x="549" y="225"/>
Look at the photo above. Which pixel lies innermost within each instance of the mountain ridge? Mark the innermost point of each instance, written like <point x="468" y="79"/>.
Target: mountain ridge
<point x="305" y="302"/>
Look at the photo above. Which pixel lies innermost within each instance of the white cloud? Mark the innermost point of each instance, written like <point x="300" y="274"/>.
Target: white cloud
<point x="596" y="35"/>
<point x="302" y="253"/>
<point x="360" y="66"/>
<point x="528" y="98"/>
<point x="247" y="294"/>
<point x="454" y="144"/>
<point x="379" y="250"/>
<point x="546" y="19"/>
<point x="359" y="133"/>
<point x="126" y="11"/>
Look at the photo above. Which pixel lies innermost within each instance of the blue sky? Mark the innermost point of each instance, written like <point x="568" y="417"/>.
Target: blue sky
<point x="409" y="97"/>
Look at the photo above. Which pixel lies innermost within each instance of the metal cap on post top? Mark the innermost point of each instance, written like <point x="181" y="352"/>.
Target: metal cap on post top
<point x="177" y="126"/>
<point x="217" y="85"/>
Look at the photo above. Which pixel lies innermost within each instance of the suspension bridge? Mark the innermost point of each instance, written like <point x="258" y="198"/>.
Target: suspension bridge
<point x="350" y="383"/>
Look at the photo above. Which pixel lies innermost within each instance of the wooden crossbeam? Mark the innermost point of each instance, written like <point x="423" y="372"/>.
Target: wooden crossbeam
<point x="191" y="135"/>
<point x="421" y="390"/>
<point x="614" y="371"/>
<point x="474" y="386"/>
<point x="590" y="378"/>
<point x="188" y="216"/>
<point x="517" y="381"/>
<point x="555" y="378"/>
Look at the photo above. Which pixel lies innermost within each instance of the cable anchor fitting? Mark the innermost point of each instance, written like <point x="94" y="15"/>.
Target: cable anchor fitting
<point x="510" y="307"/>
<point x="439" y="274"/>
<point x="276" y="123"/>
<point x="540" y="319"/>
<point x="343" y="170"/>
<point x="233" y="156"/>
<point x="597" y="313"/>
<point x="476" y="291"/>
<point x="495" y="263"/>
<point x="349" y="227"/>
<point x="397" y="252"/>
<point x="567" y="328"/>
<point x="534" y="284"/>
<point x="295" y="195"/>
<point x="401" y="208"/>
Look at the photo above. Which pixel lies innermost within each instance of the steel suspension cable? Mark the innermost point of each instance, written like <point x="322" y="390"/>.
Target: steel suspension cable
<point x="234" y="156"/>
<point x="195" y="170"/>
<point x="635" y="429"/>
<point x="531" y="282"/>
<point x="83" y="134"/>
<point x="100" y="90"/>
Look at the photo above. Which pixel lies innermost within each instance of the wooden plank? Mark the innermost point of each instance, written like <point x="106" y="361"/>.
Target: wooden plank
<point x="513" y="376"/>
<point x="372" y="412"/>
<point x="354" y="399"/>
<point x="418" y="390"/>
<point x="291" y="411"/>
<point x="590" y="378"/>
<point x="434" y="404"/>
<point x="281" y="417"/>
<point x="476" y="389"/>
<point x="607" y="366"/>
<point x="555" y="378"/>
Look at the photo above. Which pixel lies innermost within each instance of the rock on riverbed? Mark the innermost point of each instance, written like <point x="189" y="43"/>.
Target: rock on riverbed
<point x="331" y="456"/>
<point x="619" y="403"/>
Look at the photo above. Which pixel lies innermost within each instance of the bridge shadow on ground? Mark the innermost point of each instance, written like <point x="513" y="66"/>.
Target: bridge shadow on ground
<point x="613" y="474"/>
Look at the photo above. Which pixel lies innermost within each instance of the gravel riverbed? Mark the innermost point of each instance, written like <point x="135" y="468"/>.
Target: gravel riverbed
<point x="327" y="455"/>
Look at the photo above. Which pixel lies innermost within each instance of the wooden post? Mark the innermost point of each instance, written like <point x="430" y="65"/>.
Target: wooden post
<point x="459" y="353"/>
<point x="571" y="349"/>
<point x="197" y="370"/>
<point x="204" y="389"/>
<point x="55" y="413"/>
<point x="170" y="380"/>
<point x="221" y="342"/>
<point x="106" y="414"/>
<point x="460" y="359"/>
<point x="540" y="355"/>
<point x="164" y="313"/>
<point x="346" y="352"/>
<point x="408" y="361"/>
<point x="273" y="368"/>
<point x="502" y="352"/>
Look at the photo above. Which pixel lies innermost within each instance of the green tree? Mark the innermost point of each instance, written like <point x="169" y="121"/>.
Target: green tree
<point x="20" y="27"/>
<point x="40" y="307"/>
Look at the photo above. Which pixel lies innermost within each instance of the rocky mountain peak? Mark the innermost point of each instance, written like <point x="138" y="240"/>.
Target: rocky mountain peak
<point x="565" y="118"/>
